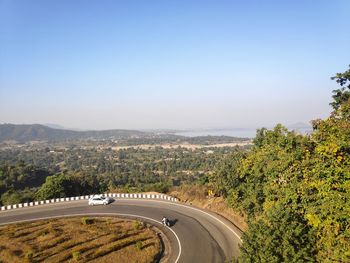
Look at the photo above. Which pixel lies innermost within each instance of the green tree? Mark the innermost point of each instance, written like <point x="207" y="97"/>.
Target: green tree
<point x="281" y="235"/>
<point x="17" y="196"/>
<point x="342" y="94"/>
<point x="326" y="186"/>
<point x="225" y="177"/>
<point x="296" y="190"/>
<point x="56" y="186"/>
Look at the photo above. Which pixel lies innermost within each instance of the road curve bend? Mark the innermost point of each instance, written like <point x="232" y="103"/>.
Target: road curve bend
<point x="196" y="235"/>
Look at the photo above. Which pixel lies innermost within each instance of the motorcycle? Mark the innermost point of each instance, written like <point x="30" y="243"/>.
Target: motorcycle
<point x="166" y="222"/>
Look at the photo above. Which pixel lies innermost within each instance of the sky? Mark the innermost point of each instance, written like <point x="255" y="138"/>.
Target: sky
<point x="170" y="64"/>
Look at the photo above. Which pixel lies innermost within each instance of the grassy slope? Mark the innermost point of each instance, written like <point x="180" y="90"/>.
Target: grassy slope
<point x="70" y="240"/>
<point x="198" y="196"/>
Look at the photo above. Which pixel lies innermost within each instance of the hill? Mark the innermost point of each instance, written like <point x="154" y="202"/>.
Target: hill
<point x="37" y="132"/>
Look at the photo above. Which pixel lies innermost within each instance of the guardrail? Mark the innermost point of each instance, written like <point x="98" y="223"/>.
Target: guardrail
<point x="85" y="197"/>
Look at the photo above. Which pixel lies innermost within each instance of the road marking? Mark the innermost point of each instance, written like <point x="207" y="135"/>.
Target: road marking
<point x="114" y="214"/>
<point x="193" y="208"/>
<point x="214" y="218"/>
<point x="149" y="200"/>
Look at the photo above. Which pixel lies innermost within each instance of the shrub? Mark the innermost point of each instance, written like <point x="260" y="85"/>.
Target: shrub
<point x="137" y="225"/>
<point x="76" y="256"/>
<point x="139" y="245"/>
<point x="29" y="255"/>
<point x="87" y="221"/>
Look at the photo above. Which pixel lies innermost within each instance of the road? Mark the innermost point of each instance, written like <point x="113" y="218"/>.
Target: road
<point x="196" y="236"/>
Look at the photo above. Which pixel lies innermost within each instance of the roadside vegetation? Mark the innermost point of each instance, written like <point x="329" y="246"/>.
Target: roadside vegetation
<point x="202" y="195"/>
<point x="31" y="173"/>
<point x="79" y="240"/>
<point x="294" y="189"/>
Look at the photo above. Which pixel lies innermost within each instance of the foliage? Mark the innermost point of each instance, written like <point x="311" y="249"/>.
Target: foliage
<point x="280" y="235"/>
<point x="137" y="225"/>
<point x="20" y="176"/>
<point x="18" y="182"/>
<point x="56" y="186"/>
<point x="225" y="177"/>
<point x="87" y="221"/>
<point x="139" y="245"/>
<point x="341" y="95"/>
<point x="76" y="256"/>
<point x="326" y="186"/>
<point x="16" y="197"/>
<point x="295" y="189"/>
<point x="29" y="255"/>
<point x="80" y="170"/>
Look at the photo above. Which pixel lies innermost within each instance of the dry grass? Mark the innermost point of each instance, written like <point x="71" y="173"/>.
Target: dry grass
<point x="182" y="145"/>
<point x="78" y="240"/>
<point x="197" y="195"/>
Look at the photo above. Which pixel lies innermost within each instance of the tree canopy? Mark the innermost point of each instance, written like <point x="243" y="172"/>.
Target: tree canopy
<point x="342" y="94"/>
<point x="295" y="189"/>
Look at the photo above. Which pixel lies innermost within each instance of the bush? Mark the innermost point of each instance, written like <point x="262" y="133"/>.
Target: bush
<point x="137" y="225"/>
<point x="29" y="255"/>
<point x="87" y="221"/>
<point x="139" y="245"/>
<point x="76" y="255"/>
<point x="55" y="186"/>
<point x="15" y="197"/>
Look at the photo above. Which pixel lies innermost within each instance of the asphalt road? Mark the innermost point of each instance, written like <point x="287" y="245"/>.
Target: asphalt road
<point x="195" y="236"/>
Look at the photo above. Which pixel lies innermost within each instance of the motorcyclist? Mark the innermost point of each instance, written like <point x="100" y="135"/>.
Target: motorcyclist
<point x="165" y="221"/>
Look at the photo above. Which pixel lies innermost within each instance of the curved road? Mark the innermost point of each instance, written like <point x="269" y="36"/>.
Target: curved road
<point x="200" y="236"/>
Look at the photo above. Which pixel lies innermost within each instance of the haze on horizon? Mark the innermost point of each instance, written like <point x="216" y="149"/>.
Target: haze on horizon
<point x="170" y="65"/>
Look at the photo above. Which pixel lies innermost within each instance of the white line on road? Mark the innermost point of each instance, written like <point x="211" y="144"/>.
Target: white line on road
<point x="197" y="209"/>
<point x="214" y="218"/>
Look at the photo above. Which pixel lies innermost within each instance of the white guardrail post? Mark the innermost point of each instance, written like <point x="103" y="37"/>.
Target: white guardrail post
<point x="75" y="198"/>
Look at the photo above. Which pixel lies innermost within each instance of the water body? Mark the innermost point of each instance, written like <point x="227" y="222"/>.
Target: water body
<point x="236" y="132"/>
<point x="241" y="133"/>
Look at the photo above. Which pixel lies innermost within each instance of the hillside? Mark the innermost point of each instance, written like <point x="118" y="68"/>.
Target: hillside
<point x="37" y="132"/>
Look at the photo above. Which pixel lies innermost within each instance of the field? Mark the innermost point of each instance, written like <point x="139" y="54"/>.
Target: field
<point x="188" y="146"/>
<point x="79" y="240"/>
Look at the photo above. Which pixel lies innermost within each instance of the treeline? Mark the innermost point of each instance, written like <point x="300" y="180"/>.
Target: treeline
<point x="177" y="139"/>
<point x="294" y="189"/>
<point x="18" y="182"/>
<point x="128" y="166"/>
<point x="25" y="183"/>
<point x="44" y="173"/>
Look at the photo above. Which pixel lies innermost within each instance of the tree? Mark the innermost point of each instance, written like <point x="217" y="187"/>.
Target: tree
<point x="16" y="197"/>
<point x="281" y="235"/>
<point x="343" y="94"/>
<point x="225" y="177"/>
<point x="56" y="186"/>
<point x="326" y="186"/>
<point x="295" y="190"/>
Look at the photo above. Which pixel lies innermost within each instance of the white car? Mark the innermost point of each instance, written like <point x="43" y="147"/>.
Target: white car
<point x="99" y="200"/>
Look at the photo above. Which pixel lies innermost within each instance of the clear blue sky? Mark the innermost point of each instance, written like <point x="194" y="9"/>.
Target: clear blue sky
<point x="170" y="64"/>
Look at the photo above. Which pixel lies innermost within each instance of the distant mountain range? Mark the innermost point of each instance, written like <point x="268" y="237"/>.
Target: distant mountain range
<point x="38" y="132"/>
